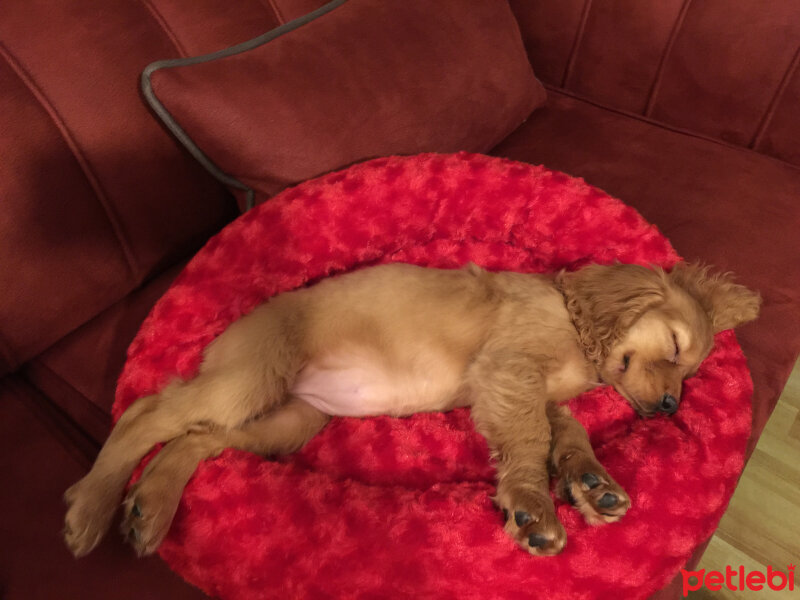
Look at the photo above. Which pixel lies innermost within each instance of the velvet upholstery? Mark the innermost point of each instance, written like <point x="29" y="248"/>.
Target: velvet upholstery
<point x="211" y="25"/>
<point x="86" y="388"/>
<point x="88" y="179"/>
<point x="93" y="188"/>
<point x="459" y="81"/>
<point x="41" y="454"/>
<point x="98" y="200"/>
<point x="729" y="70"/>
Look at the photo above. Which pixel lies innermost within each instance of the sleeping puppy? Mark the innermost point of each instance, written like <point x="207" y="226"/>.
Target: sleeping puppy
<point x="399" y="339"/>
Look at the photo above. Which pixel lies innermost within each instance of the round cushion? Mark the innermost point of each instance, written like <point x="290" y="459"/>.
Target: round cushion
<point x="395" y="508"/>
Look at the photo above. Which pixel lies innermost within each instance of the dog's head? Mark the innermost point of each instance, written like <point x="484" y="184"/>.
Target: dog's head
<point x="648" y="330"/>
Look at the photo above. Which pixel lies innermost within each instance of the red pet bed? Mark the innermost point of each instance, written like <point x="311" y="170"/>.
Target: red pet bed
<point x="400" y="508"/>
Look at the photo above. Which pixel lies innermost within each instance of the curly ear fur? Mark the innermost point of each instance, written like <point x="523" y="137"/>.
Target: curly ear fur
<point x="605" y="301"/>
<point x="727" y="304"/>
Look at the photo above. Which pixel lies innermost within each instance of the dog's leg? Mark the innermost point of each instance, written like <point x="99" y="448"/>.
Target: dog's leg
<point x="151" y="503"/>
<point x="582" y="479"/>
<point x="508" y="407"/>
<point x="93" y="500"/>
<point x="245" y="372"/>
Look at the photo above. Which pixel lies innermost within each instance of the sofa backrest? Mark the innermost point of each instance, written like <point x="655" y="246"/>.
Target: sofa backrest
<point x="727" y="69"/>
<point x="95" y="196"/>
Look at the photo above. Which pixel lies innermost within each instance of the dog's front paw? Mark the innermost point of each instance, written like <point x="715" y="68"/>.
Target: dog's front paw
<point x="89" y="514"/>
<point x="587" y="486"/>
<point x="530" y="518"/>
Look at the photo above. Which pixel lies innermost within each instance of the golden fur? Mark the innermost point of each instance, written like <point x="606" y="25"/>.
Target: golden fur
<point x="398" y="339"/>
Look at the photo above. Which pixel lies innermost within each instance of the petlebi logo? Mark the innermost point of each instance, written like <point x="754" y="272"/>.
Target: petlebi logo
<point x="738" y="579"/>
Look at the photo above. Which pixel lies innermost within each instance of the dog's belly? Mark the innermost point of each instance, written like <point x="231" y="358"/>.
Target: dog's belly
<point x="359" y="385"/>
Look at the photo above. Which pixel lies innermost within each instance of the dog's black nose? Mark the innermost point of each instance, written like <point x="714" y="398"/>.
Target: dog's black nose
<point x="668" y="404"/>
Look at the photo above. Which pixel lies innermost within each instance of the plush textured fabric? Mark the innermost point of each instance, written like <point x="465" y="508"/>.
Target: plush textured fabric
<point x="382" y="507"/>
<point x="370" y="78"/>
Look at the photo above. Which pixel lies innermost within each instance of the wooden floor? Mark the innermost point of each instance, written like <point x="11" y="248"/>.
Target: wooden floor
<point x="762" y="524"/>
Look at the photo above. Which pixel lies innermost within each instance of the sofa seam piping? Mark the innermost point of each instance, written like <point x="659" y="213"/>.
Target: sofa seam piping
<point x="37" y="363"/>
<point x="156" y="15"/>
<point x="775" y="100"/>
<point x="668" y="127"/>
<point x="77" y="153"/>
<point x="662" y="63"/>
<point x="58" y="423"/>
<point x="277" y="12"/>
<point x="579" y="34"/>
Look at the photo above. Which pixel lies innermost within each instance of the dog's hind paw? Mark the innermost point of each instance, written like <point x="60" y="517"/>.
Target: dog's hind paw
<point x="88" y="517"/>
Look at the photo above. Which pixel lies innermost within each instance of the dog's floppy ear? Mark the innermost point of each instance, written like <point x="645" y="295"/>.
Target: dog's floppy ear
<point x="605" y="301"/>
<point x="727" y="304"/>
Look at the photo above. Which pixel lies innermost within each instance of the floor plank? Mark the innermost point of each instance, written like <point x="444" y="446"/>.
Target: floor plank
<point x="762" y="524"/>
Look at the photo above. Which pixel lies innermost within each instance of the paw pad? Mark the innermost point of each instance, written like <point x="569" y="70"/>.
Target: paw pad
<point x="607" y="500"/>
<point x="590" y="480"/>
<point x="537" y="540"/>
<point x="521" y="518"/>
<point x="586" y="485"/>
<point x="532" y="522"/>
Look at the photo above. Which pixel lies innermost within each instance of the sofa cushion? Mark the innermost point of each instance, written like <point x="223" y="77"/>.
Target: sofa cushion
<point x="728" y="206"/>
<point x="366" y="78"/>
<point x="210" y="25"/>
<point x="96" y="196"/>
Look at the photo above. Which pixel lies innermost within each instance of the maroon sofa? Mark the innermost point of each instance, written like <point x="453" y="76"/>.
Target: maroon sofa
<point x="685" y="110"/>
